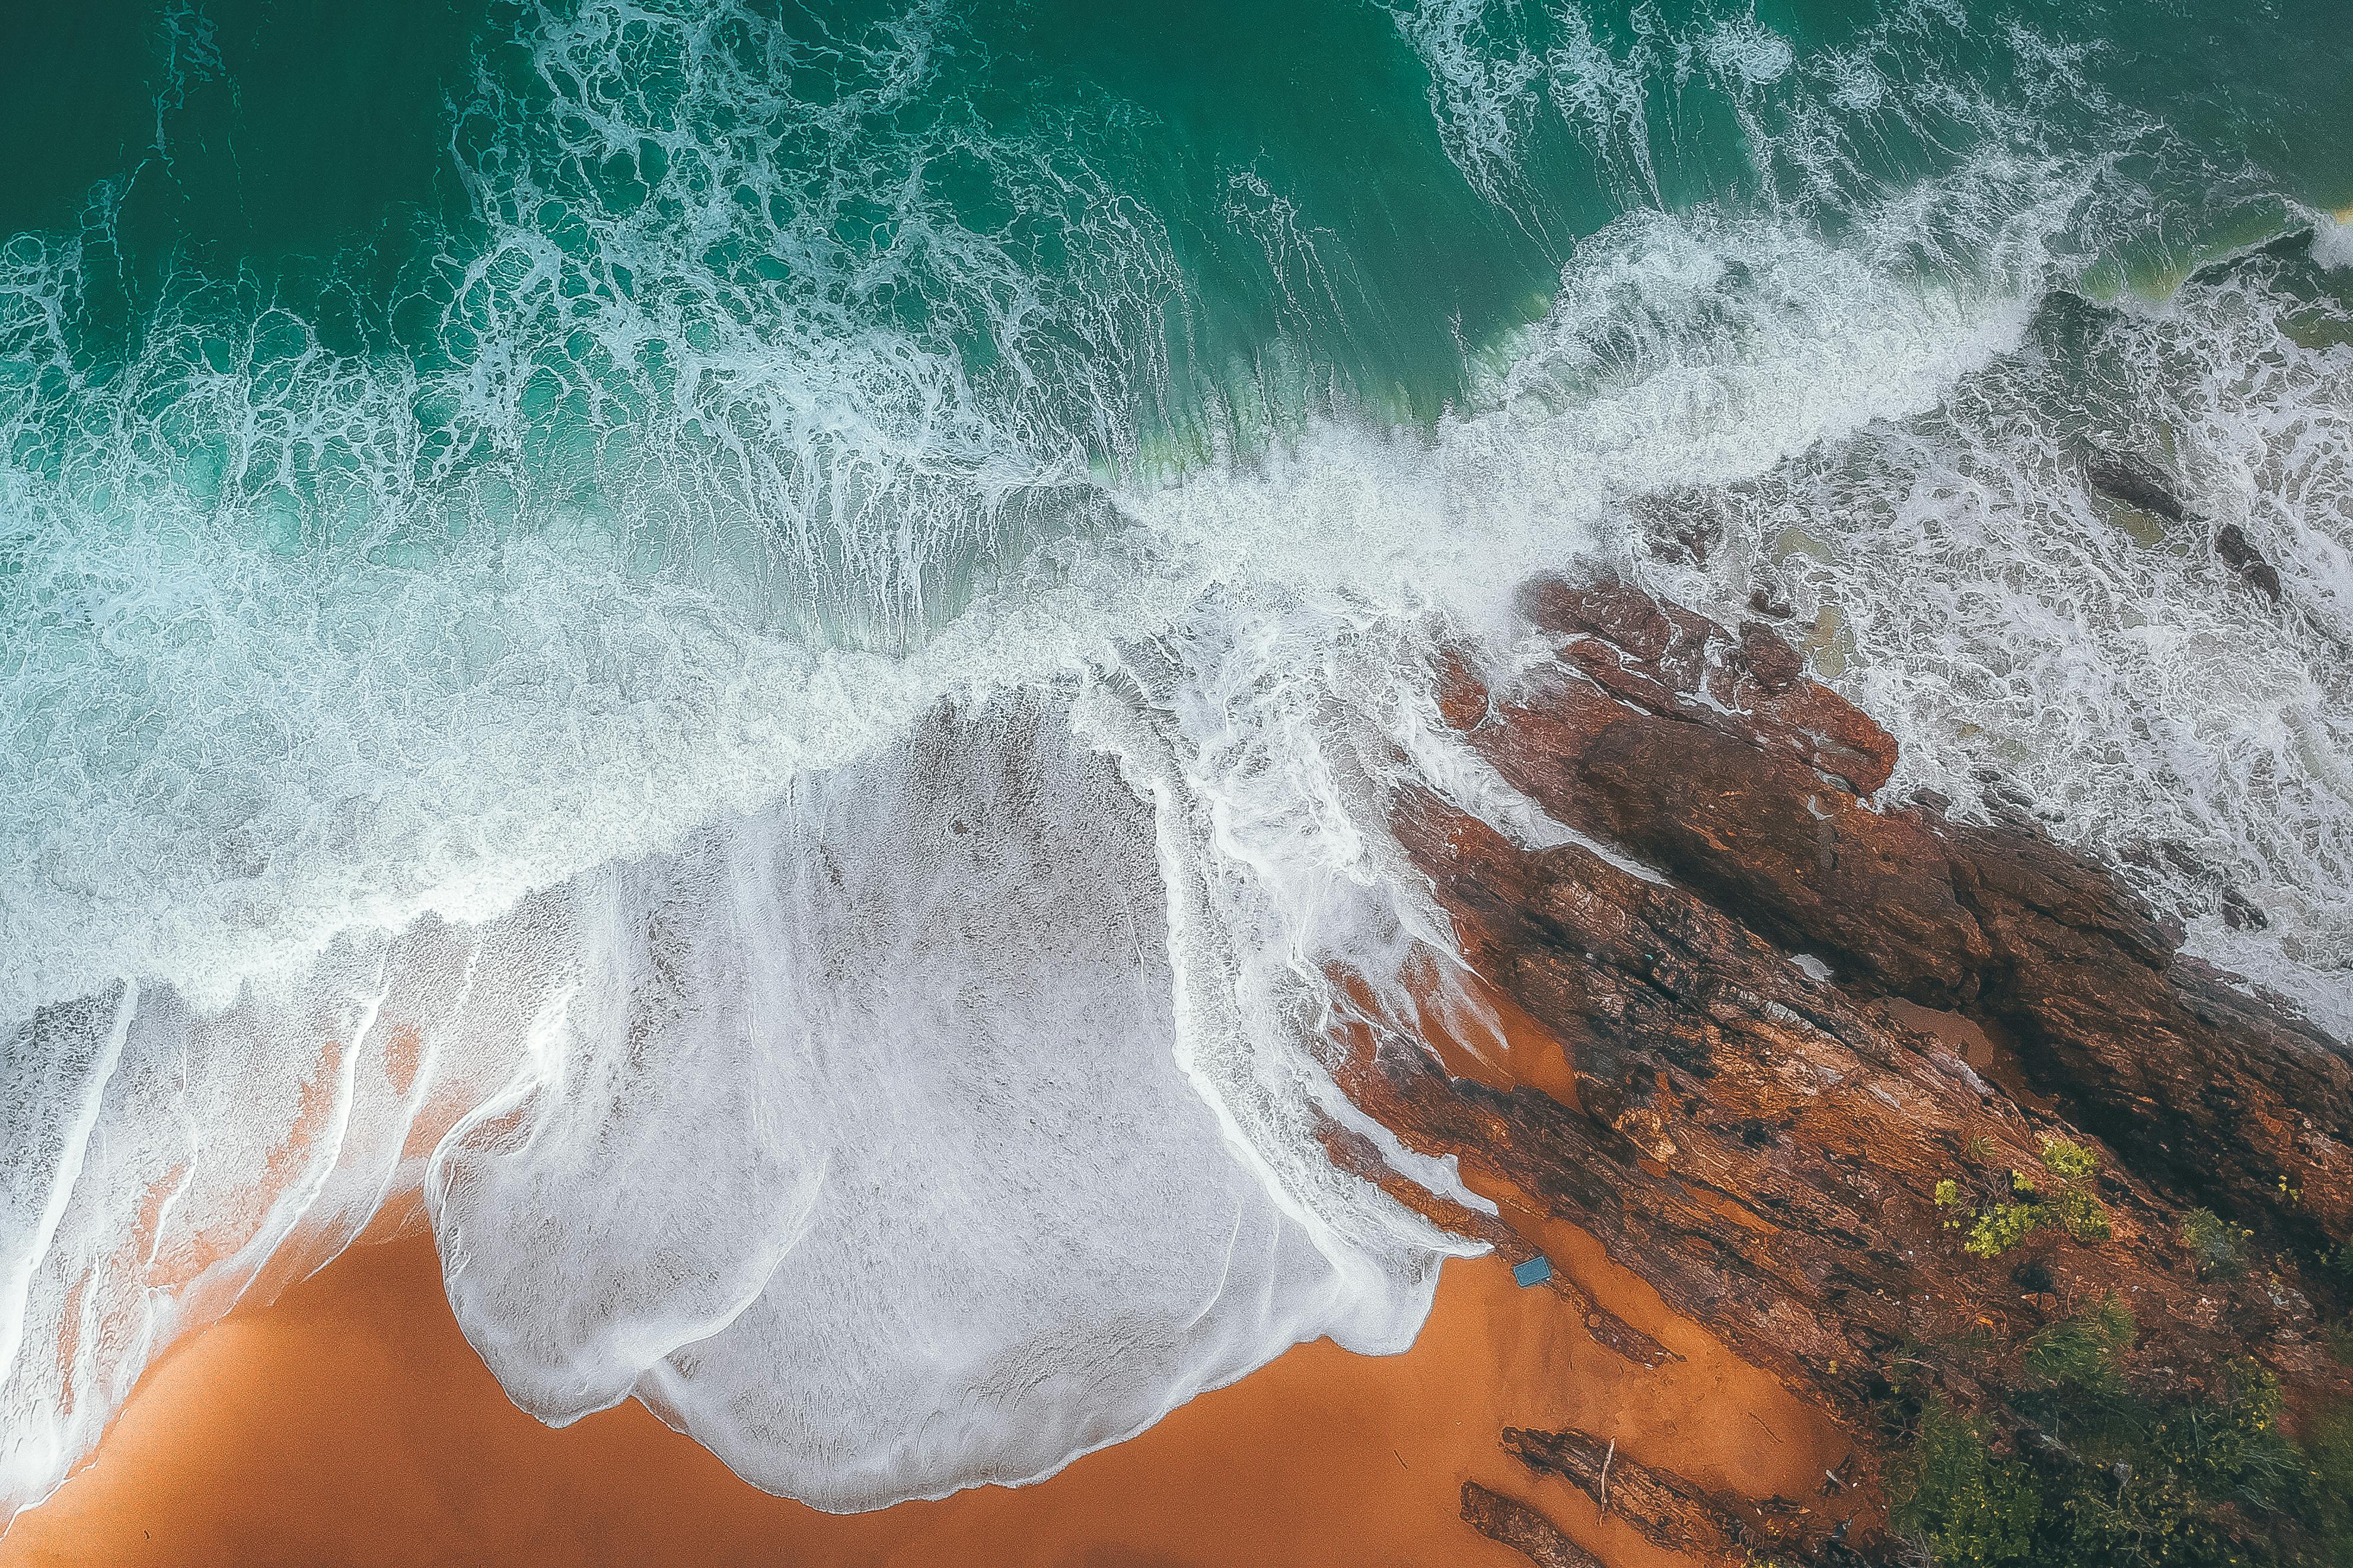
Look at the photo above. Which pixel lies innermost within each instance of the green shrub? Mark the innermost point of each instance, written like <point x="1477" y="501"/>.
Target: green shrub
<point x="2105" y="1477"/>
<point x="2229" y="1445"/>
<point x="2216" y="1246"/>
<point x="2087" y="1351"/>
<point x="2068" y="1161"/>
<point x="2122" y="1516"/>
<point x="1966" y="1506"/>
<point x="2002" y="1227"/>
<point x="2328" y="1487"/>
<point x="2082" y="1215"/>
<point x="1996" y="1229"/>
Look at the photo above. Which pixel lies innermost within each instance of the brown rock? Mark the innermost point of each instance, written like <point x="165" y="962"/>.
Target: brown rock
<point x="1676" y="1514"/>
<point x="1795" y="1214"/>
<point x="1621" y="648"/>
<point x="1765" y="1150"/>
<point x="1771" y="842"/>
<point x="1523" y="1529"/>
<point x="1669" y="1511"/>
<point x="1786" y="1161"/>
<point x="1462" y="697"/>
<point x="2228" y="1098"/>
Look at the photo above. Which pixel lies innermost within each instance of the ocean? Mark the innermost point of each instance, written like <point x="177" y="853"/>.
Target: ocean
<point x="761" y="647"/>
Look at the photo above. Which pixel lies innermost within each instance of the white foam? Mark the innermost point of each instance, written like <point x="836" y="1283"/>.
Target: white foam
<point x="1478" y="84"/>
<point x="899" y="1185"/>
<point x="695" y="990"/>
<point x="1975" y="595"/>
<point x="2332" y="241"/>
<point x="589" y="854"/>
<point x="1744" y="48"/>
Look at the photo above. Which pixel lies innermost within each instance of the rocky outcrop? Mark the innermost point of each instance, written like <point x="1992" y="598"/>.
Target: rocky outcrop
<point x="1742" y="1110"/>
<point x="1665" y="1509"/>
<point x="1703" y="755"/>
<point x="1678" y="1515"/>
<point x="1763" y="1148"/>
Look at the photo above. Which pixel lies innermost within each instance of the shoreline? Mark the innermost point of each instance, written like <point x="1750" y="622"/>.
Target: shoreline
<point x="350" y="1421"/>
<point x="1708" y="1085"/>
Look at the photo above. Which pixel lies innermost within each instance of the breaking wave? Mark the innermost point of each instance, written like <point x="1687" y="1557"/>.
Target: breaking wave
<point x="786" y="731"/>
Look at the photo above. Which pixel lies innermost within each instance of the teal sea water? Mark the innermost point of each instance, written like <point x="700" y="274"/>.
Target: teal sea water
<point x="761" y="642"/>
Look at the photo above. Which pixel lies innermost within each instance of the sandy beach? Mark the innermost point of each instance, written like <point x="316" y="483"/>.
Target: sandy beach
<point x="947" y="712"/>
<point x="350" y="1423"/>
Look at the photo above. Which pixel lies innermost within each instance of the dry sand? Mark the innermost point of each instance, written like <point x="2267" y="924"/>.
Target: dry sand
<point x="349" y="1423"/>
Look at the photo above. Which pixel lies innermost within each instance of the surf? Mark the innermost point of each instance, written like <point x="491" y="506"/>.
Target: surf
<point x="801" y="731"/>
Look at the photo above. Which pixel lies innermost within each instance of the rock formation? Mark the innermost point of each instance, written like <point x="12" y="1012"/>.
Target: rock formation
<point x="1747" y="1106"/>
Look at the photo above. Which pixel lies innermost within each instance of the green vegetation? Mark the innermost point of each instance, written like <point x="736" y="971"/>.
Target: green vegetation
<point x="2217" y="1248"/>
<point x="2002" y="1227"/>
<point x="2004" y="1223"/>
<point x="2068" y="1161"/>
<point x="2074" y="1458"/>
<point x="2083" y="1470"/>
<point x="1966" y="1506"/>
<point x="2081" y="1215"/>
<point x="2175" y="1482"/>
<point x="2329" y="1449"/>
<point x="2086" y="1351"/>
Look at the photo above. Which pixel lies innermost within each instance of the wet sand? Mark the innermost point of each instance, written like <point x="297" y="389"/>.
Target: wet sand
<point x="349" y="1423"/>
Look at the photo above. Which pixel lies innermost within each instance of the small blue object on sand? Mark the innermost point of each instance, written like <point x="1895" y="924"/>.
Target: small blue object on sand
<point x="1534" y="1272"/>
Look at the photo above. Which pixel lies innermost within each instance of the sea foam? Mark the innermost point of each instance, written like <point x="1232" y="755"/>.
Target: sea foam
<point x="934" y="1107"/>
<point x="833" y="885"/>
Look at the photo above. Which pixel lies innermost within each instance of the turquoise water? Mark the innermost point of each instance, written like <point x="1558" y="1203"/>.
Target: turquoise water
<point x="1133" y="233"/>
<point x="602" y="531"/>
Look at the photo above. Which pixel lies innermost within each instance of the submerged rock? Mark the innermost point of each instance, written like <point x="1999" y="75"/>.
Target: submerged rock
<point x="1771" y="601"/>
<point x="2240" y="912"/>
<point x="2231" y="544"/>
<point x="2134" y="480"/>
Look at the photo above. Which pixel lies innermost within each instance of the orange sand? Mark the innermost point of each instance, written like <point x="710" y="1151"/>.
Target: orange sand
<point x="349" y="1423"/>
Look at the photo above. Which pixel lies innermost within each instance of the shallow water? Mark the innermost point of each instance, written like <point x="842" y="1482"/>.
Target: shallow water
<point x="759" y="646"/>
